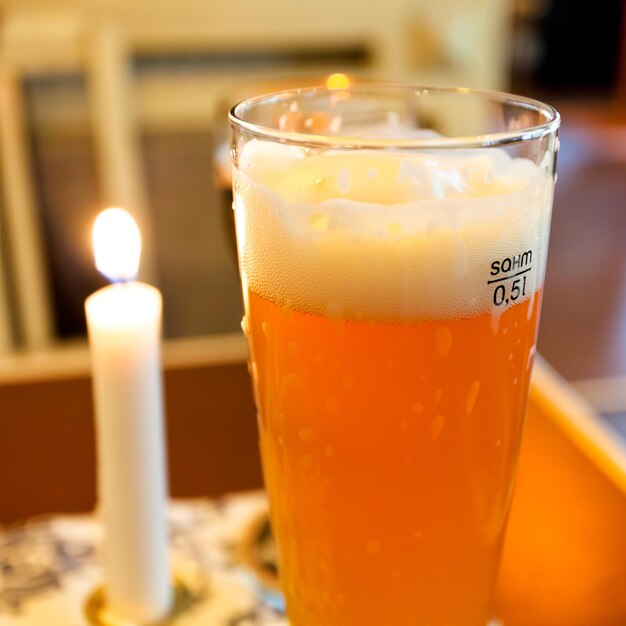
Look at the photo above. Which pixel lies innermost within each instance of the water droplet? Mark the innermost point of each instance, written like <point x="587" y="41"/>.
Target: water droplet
<point x="307" y="461"/>
<point x="436" y="426"/>
<point x="515" y="381"/>
<point x="281" y="440"/>
<point x="324" y="565"/>
<point x="319" y="221"/>
<point x="373" y="546"/>
<point x="395" y="574"/>
<point x="404" y="424"/>
<point x="443" y="341"/>
<point x="285" y="309"/>
<point x="372" y="172"/>
<point x="418" y="534"/>
<point x="292" y="349"/>
<point x="319" y="183"/>
<point x="329" y="451"/>
<point x="293" y="107"/>
<point x="498" y="443"/>
<point x="331" y="405"/>
<point x="244" y="325"/>
<point x="471" y="397"/>
<point x="266" y="328"/>
<point x="417" y="408"/>
<point x="437" y="396"/>
<point x="306" y="434"/>
<point x="335" y="124"/>
<point x="344" y="181"/>
<point x="423" y="376"/>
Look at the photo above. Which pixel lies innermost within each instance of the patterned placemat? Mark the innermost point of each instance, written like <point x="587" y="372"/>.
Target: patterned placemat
<point x="49" y="566"/>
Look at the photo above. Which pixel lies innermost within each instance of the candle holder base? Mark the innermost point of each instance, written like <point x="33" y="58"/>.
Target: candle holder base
<point x="98" y="614"/>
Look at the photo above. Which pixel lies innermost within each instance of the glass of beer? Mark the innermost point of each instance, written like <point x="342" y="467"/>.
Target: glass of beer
<point x="392" y="243"/>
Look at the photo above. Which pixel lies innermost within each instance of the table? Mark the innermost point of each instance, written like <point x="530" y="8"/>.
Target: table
<point x="51" y="565"/>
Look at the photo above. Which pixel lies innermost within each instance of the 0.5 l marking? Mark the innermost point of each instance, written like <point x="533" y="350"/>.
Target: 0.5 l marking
<point x="513" y="269"/>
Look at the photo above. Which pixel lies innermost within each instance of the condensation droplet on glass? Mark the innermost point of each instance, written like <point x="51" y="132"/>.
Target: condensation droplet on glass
<point x="443" y="341"/>
<point x="515" y="381"/>
<point x="343" y="181"/>
<point x="372" y="172"/>
<point x="331" y="405"/>
<point x="335" y="124"/>
<point x="373" y="546"/>
<point x="319" y="221"/>
<point x="437" y="395"/>
<point x="293" y="107"/>
<point x="319" y="182"/>
<point x="395" y="574"/>
<point x="404" y="424"/>
<point x="470" y="401"/>
<point x="531" y="307"/>
<point x="292" y="348"/>
<point x="308" y="123"/>
<point x="418" y="534"/>
<point x="329" y="451"/>
<point x="498" y="443"/>
<point x="436" y="426"/>
<point x="417" y="408"/>
<point x="306" y="434"/>
<point x="266" y="328"/>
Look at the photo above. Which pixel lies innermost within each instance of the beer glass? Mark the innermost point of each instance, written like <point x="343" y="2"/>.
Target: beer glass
<point x="392" y="244"/>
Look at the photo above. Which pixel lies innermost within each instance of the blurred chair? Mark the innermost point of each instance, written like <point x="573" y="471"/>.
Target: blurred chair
<point x="447" y="42"/>
<point x="36" y="42"/>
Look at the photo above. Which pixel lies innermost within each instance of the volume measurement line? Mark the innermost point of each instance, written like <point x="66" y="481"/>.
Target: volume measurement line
<point x="498" y="280"/>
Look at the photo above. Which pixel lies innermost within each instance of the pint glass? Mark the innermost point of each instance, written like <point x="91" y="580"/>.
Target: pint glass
<point x="392" y="243"/>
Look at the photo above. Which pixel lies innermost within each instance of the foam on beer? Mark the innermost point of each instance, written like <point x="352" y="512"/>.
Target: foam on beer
<point x="383" y="235"/>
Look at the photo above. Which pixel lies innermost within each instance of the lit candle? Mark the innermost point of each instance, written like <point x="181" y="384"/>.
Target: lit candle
<point x="124" y="323"/>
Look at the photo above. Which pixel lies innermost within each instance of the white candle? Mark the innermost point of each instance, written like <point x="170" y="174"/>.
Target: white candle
<point x="124" y="323"/>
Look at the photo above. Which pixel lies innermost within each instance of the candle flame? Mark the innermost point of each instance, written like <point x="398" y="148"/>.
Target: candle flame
<point x="116" y="245"/>
<point x="338" y="81"/>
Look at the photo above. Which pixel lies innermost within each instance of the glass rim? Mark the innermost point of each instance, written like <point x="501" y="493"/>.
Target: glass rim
<point x="500" y="138"/>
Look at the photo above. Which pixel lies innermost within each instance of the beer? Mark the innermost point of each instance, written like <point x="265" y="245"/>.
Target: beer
<point x="392" y="302"/>
<point x="389" y="451"/>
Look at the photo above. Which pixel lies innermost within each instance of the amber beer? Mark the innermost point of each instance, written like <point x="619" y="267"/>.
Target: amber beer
<point x="391" y="344"/>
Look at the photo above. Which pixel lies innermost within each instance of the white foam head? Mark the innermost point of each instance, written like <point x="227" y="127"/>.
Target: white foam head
<point x="390" y="236"/>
